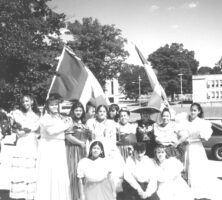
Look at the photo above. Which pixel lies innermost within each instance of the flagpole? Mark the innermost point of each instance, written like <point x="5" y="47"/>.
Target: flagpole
<point x="57" y="69"/>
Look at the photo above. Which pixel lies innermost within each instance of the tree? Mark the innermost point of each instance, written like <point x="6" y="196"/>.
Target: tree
<point x="27" y="51"/>
<point x="218" y="67"/>
<point x="129" y="81"/>
<point x="170" y="61"/>
<point x="101" y="47"/>
<point x="204" y="70"/>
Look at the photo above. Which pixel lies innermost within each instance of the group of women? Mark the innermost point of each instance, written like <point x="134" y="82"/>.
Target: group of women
<point x="100" y="155"/>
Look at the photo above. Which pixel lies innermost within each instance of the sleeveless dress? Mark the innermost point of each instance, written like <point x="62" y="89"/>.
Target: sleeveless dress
<point x="52" y="169"/>
<point x="74" y="154"/>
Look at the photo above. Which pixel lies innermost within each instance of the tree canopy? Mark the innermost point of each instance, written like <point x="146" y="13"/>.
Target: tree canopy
<point x="170" y="61"/>
<point x="129" y="81"/>
<point x="27" y="51"/>
<point x="101" y="47"/>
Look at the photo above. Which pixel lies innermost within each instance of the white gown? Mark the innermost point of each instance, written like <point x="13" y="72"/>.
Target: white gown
<point x="52" y="168"/>
<point x="171" y="186"/>
<point x="23" y="174"/>
<point x="201" y="178"/>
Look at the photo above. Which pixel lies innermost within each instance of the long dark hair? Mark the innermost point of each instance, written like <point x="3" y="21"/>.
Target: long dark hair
<point x="102" y="155"/>
<point x="102" y="106"/>
<point x="77" y="104"/>
<point x="201" y="114"/>
<point x="35" y="108"/>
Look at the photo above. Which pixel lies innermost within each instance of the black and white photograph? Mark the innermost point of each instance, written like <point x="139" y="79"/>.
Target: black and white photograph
<point x="110" y="100"/>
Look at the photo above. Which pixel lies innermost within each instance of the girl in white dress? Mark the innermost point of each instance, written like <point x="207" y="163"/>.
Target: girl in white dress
<point x="201" y="178"/>
<point x="171" y="186"/>
<point x="26" y="125"/>
<point x="94" y="175"/>
<point x="103" y="129"/>
<point x="52" y="177"/>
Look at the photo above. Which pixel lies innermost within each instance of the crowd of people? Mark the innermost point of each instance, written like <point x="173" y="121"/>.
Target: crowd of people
<point x="98" y="154"/>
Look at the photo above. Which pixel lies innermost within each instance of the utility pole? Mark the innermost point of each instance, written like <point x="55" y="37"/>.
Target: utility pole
<point x="181" y="89"/>
<point x="139" y="79"/>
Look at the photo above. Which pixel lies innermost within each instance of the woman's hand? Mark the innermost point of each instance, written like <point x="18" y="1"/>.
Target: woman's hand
<point x="83" y="145"/>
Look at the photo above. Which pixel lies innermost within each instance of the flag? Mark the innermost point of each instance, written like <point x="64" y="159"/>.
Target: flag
<point x="158" y="95"/>
<point x="73" y="80"/>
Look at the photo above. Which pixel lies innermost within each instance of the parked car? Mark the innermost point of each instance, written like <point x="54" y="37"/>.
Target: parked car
<point x="214" y="145"/>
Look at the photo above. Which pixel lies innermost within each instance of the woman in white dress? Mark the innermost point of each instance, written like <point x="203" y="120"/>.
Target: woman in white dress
<point x="94" y="175"/>
<point x="26" y="125"/>
<point x="52" y="177"/>
<point x="171" y="186"/>
<point x="201" y="178"/>
<point x="103" y="129"/>
<point x="139" y="176"/>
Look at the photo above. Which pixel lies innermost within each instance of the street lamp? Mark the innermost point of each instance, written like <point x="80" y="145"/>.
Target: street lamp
<point x="181" y="88"/>
<point x="139" y="79"/>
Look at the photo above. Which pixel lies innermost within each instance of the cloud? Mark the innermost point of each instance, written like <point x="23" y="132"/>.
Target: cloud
<point x="154" y="8"/>
<point x="171" y="8"/>
<point x="193" y="5"/>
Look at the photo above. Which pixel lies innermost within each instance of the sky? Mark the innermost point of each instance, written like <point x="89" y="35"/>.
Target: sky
<point x="151" y="24"/>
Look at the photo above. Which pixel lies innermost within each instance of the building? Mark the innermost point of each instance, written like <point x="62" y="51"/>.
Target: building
<point x="112" y="90"/>
<point x="207" y="88"/>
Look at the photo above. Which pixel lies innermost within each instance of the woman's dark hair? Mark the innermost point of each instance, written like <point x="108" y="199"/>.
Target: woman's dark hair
<point x="165" y="110"/>
<point x="52" y="97"/>
<point x="201" y="114"/>
<point x="35" y="108"/>
<point x="89" y="105"/>
<point x="102" y="106"/>
<point x="159" y="146"/>
<point x="114" y="107"/>
<point x="140" y="147"/>
<point x="102" y="155"/>
<point x="77" y="104"/>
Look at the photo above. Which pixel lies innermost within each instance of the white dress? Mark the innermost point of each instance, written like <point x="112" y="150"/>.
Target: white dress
<point x="104" y="131"/>
<point x="201" y="177"/>
<point x="171" y="186"/>
<point x="96" y="175"/>
<point x="52" y="177"/>
<point x="23" y="174"/>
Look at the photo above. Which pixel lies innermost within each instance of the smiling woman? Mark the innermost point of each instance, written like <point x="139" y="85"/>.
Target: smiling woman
<point x="26" y="125"/>
<point x="94" y="175"/>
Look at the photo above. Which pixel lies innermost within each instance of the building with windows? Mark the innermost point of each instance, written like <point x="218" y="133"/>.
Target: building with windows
<point x="207" y="88"/>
